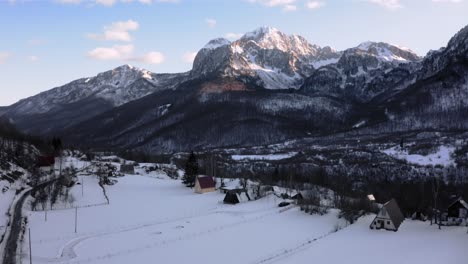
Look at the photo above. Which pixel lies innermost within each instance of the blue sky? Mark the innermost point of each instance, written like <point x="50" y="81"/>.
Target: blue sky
<point x="47" y="43"/>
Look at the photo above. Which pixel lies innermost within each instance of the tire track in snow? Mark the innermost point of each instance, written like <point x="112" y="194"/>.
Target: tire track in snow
<point x="67" y="252"/>
<point x="181" y="238"/>
<point x="303" y="245"/>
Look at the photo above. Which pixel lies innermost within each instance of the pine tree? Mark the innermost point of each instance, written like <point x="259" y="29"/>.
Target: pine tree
<point x="191" y="170"/>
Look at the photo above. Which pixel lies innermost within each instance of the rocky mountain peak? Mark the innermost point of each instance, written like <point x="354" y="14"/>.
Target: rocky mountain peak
<point x="387" y="52"/>
<point x="217" y="43"/>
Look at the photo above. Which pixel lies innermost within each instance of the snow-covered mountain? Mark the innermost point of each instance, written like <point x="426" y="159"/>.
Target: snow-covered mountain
<point x="275" y="60"/>
<point x="87" y="97"/>
<point x="235" y="96"/>
<point x="117" y="87"/>
<point x="363" y="72"/>
<point x="266" y="56"/>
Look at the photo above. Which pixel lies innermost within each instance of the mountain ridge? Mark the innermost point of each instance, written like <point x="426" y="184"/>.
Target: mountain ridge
<point x="225" y="101"/>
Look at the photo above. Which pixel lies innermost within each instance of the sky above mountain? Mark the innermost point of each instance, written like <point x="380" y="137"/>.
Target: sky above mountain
<point x="47" y="43"/>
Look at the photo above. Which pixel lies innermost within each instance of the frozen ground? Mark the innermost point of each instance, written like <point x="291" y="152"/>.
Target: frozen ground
<point x="443" y="156"/>
<point x="415" y="242"/>
<point x="155" y="219"/>
<point x="265" y="157"/>
<point x="6" y="198"/>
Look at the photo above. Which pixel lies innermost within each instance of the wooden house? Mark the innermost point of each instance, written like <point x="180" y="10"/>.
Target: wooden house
<point x="457" y="213"/>
<point x="389" y="217"/>
<point x="46" y="164"/>
<point x="204" y="184"/>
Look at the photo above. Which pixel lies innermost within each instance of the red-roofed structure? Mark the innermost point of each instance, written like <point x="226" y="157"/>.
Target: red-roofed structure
<point x="204" y="184"/>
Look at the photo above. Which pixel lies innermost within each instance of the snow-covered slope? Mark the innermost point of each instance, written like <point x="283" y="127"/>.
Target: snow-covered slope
<point x="118" y="86"/>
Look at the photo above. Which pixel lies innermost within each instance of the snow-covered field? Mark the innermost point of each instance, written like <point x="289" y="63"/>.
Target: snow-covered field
<point x="443" y="156"/>
<point x="265" y="157"/>
<point x="155" y="219"/>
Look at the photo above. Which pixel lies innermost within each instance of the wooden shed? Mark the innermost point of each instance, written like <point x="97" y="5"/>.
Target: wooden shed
<point x="204" y="184"/>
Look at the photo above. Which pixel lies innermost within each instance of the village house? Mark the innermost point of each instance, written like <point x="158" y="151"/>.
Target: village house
<point x="204" y="184"/>
<point x="46" y="164"/>
<point x="457" y="213"/>
<point x="389" y="217"/>
<point x="127" y="169"/>
<point x="236" y="196"/>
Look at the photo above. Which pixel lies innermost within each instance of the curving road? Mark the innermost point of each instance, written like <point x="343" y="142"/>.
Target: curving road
<point x="12" y="241"/>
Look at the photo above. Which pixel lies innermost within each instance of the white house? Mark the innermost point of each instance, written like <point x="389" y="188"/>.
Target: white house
<point x="389" y="217"/>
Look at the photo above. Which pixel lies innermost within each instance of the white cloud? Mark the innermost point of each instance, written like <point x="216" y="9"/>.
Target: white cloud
<point x="151" y="1"/>
<point x="189" y="57"/>
<point x="117" y="31"/>
<point x="233" y="36"/>
<point x="33" y="58"/>
<point x="273" y="3"/>
<point x="111" y="2"/>
<point x="106" y="2"/>
<point x="448" y="1"/>
<point x="289" y="8"/>
<point x="125" y="53"/>
<point x="4" y="56"/>
<point x="68" y="1"/>
<point x="116" y="52"/>
<point x="315" y="4"/>
<point x="389" y="4"/>
<point x="211" y="22"/>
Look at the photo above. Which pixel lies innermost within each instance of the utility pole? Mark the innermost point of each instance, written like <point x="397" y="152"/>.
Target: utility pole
<point x="82" y="186"/>
<point x="30" y="250"/>
<point x="76" y="219"/>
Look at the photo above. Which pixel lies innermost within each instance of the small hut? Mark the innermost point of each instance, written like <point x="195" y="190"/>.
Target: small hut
<point x="457" y="213"/>
<point x="389" y="217"/>
<point x="204" y="184"/>
<point x="236" y="196"/>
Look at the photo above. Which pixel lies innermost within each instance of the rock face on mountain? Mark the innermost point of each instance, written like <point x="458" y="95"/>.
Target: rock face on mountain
<point x="265" y="87"/>
<point x="435" y="96"/>
<point x="266" y="56"/>
<point x="363" y="72"/>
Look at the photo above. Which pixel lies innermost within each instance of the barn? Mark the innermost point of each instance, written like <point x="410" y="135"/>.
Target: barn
<point x="389" y="217"/>
<point x="457" y="213"/>
<point x="204" y="184"/>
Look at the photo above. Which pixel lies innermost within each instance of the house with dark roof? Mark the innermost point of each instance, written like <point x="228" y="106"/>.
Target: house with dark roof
<point x="46" y="164"/>
<point x="389" y="217"/>
<point x="204" y="184"/>
<point x="236" y="196"/>
<point x="457" y="213"/>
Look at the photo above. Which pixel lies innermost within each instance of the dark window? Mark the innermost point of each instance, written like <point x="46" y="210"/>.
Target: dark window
<point x="388" y="222"/>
